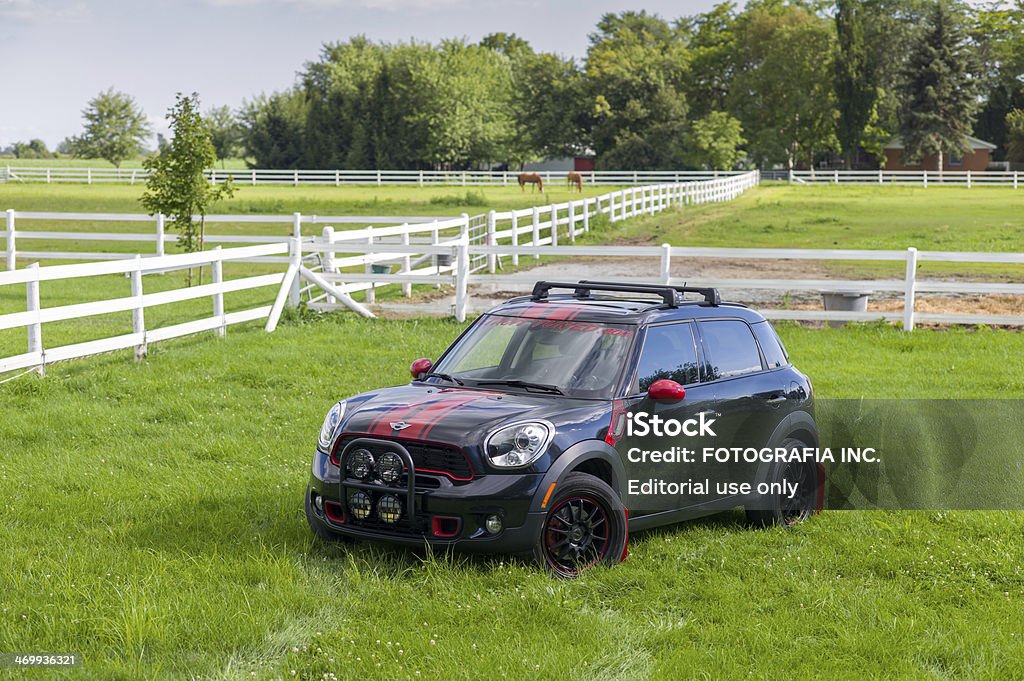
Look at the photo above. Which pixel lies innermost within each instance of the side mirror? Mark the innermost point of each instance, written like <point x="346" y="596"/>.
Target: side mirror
<point x="420" y="367"/>
<point x="666" y="390"/>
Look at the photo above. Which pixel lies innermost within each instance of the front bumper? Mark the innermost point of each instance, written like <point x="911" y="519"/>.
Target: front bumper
<point x="461" y="510"/>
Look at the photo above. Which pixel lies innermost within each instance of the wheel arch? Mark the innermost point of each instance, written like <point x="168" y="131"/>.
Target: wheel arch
<point x="594" y="457"/>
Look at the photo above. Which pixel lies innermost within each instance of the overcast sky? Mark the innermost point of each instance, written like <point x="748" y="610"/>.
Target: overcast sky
<point x="57" y="54"/>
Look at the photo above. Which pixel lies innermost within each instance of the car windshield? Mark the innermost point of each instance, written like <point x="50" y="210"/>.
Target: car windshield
<point x="579" y="359"/>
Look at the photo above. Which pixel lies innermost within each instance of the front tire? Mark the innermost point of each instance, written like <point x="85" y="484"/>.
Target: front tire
<point x="585" y="526"/>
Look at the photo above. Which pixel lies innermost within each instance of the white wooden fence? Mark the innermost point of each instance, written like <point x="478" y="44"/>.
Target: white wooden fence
<point x="38" y="354"/>
<point x="463" y="178"/>
<point x="377" y="251"/>
<point x="159" y="237"/>
<point x="922" y="178"/>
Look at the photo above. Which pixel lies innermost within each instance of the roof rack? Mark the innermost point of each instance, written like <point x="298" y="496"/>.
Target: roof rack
<point x="583" y="289"/>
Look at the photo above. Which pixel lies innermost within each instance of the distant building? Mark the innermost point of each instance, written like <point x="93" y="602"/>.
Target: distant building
<point x="977" y="159"/>
<point x="583" y="163"/>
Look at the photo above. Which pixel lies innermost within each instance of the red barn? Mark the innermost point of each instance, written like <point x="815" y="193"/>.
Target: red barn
<point x="977" y="159"/>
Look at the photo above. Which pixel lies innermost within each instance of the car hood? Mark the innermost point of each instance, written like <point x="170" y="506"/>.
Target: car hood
<point x="459" y="415"/>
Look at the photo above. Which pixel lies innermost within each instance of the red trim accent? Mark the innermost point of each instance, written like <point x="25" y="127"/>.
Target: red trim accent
<point x="335" y="459"/>
<point x="334" y="511"/>
<point x="437" y="524"/>
<point x="625" y="547"/>
<point x="666" y="390"/>
<point x="618" y="411"/>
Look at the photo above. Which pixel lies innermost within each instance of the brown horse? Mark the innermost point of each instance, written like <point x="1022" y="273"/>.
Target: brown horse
<point x="575" y="180"/>
<point x="531" y="178"/>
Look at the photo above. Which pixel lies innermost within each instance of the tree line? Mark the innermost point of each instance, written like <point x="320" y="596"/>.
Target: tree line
<point x="778" y="83"/>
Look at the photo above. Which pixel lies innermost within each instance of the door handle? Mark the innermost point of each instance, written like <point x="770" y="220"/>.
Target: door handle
<point x="776" y="399"/>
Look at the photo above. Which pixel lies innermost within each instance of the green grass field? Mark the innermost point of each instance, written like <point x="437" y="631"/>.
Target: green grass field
<point x="151" y="519"/>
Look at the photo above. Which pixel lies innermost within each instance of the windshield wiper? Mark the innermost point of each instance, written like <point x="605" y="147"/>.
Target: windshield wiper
<point x="446" y="377"/>
<point x="525" y="385"/>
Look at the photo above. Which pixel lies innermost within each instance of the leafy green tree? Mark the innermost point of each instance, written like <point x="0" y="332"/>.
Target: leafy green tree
<point x="714" y="141"/>
<point x="273" y="128"/>
<point x="1015" y="136"/>
<point x="225" y="133"/>
<point x="636" y="70"/>
<point x="997" y="37"/>
<point x="712" y="45"/>
<point x="941" y="96"/>
<point x="177" y="185"/>
<point x="35" y="148"/>
<point x="855" y="83"/>
<point x="553" y="115"/>
<point x="115" y="128"/>
<point x="783" y="92"/>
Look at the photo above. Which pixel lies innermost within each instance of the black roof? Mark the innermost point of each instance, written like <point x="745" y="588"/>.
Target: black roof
<point x="623" y="303"/>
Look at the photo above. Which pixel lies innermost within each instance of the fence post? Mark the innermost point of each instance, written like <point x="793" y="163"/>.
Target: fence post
<point x="1014" y="179"/>
<point x="924" y="179"/>
<point x="666" y="263"/>
<point x="572" y="222"/>
<point x="435" y="239"/>
<point x="492" y="259"/>
<point x="968" y="179"/>
<point x="406" y="261"/>
<point x="536" y="231"/>
<point x="462" y="271"/>
<point x="294" y="293"/>
<point x="218" y="294"/>
<point x="35" y="329"/>
<point x="908" y="293"/>
<point x="371" y="293"/>
<point x="611" y="207"/>
<point x="327" y="257"/>
<point x="295" y="178"/>
<point x="139" y="311"/>
<point x="12" y="249"/>
<point x="515" y="239"/>
<point x="159" y="234"/>
<point x="554" y="225"/>
<point x="88" y="175"/>
<point x="586" y="215"/>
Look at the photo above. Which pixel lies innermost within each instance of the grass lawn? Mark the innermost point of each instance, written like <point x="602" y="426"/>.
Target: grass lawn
<point x="151" y="518"/>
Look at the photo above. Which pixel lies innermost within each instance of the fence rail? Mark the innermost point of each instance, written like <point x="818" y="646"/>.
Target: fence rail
<point x="159" y="236"/>
<point x="923" y="178"/>
<point x="421" y="178"/>
<point x="35" y="315"/>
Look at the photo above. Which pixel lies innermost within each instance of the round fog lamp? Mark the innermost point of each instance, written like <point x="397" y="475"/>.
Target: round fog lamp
<point x="493" y="524"/>
<point x="389" y="508"/>
<point x="361" y="505"/>
<point x="318" y="501"/>
<point x="360" y="464"/>
<point x="390" y="467"/>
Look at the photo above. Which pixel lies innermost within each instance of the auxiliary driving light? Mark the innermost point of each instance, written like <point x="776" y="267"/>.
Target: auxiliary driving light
<point x="318" y="501"/>
<point x="390" y="467"/>
<point x="360" y="464"/>
<point x="493" y="524"/>
<point x="361" y="505"/>
<point x="389" y="508"/>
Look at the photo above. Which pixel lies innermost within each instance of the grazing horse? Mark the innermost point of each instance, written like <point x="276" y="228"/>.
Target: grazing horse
<point x="575" y="180"/>
<point x="531" y="178"/>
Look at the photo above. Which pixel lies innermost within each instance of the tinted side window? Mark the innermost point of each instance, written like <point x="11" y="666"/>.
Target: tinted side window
<point x="668" y="352"/>
<point x="732" y="348"/>
<point x="771" y="346"/>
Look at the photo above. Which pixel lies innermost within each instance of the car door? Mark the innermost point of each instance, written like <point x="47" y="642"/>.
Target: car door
<point x="668" y="351"/>
<point x="750" y="399"/>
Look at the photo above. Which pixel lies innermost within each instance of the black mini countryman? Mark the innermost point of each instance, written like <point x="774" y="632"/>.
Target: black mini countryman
<point x="523" y="436"/>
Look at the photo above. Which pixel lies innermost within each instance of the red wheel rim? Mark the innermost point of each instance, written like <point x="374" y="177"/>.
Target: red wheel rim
<point x="577" y="534"/>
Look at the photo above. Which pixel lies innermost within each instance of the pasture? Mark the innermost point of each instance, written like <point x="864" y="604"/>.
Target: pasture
<point x="152" y="521"/>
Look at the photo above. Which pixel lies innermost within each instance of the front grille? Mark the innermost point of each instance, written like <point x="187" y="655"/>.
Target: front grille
<point x="427" y="457"/>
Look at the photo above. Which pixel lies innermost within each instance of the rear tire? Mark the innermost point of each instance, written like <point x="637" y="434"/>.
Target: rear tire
<point x="585" y="526"/>
<point x="777" y="509"/>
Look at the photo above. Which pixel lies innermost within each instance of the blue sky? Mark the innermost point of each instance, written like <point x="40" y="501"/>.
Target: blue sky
<point x="57" y="54"/>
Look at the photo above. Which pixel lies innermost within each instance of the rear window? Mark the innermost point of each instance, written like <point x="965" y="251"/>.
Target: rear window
<point x="771" y="346"/>
<point x="731" y="348"/>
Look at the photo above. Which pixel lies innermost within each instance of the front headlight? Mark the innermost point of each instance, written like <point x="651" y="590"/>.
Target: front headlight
<point x="518" y="445"/>
<point x="331" y="425"/>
